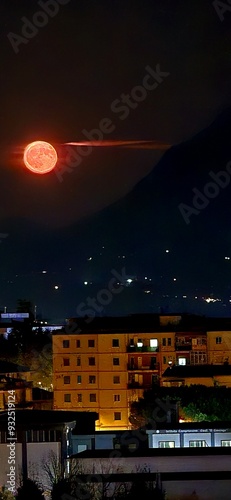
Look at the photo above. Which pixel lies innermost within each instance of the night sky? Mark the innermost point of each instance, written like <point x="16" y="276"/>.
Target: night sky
<point x="65" y="77"/>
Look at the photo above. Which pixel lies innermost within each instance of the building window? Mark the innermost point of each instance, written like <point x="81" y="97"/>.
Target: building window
<point x="140" y="343"/>
<point x="66" y="343"/>
<point x="79" y="398"/>
<point x="66" y="379"/>
<point x="91" y="361"/>
<point x="79" y="379"/>
<point x="218" y="340"/>
<point x="132" y="446"/>
<point x="77" y="343"/>
<point x="164" y="341"/>
<point x="116" y="397"/>
<point x="181" y="361"/>
<point x="117" y="415"/>
<point x="169" y="341"/>
<point x="153" y="343"/>
<point x="67" y="398"/>
<point x="166" y="444"/>
<point x="164" y="360"/>
<point x="66" y="361"/>
<point x="116" y="379"/>
<point x="92" y="398"/>
<point x="116" y="361"/>
<point x="91" y="343"/>
<point x="78" y="361"/>
<point x="226" y="443"/>
<point x="92" y="379"/>
<point x="116" y="444"/>
<point x="197" y="444"/>
<point x="115" y="343"/>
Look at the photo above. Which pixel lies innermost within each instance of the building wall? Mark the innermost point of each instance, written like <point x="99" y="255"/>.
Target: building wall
<point x="184" y="488"/>
<point x="219" y="347"/>
<point x="135" y="368"/>
<point x="108" y="394"/>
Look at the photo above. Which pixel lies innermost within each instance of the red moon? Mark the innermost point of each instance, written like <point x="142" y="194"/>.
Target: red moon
<point x="40" y="157"/>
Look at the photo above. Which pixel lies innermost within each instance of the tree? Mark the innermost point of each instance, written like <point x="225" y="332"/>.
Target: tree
<point x="196" y="402"/>
<point x="29" y="491"/>
<point x="5" y="494"/>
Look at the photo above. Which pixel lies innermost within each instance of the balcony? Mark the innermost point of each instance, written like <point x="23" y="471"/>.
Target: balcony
<point x="183" y="346"/>
<point x="134" y="367"/>
<point x="144" y="348"/>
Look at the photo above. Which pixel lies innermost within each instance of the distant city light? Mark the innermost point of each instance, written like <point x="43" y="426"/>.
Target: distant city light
<point x="56" y="287"/>
<point x="89" y="258"/>
<point x="174" y="279"/>
<point x="227" y="258"/>
<point x="145" y="277"/>
<point x="85" y="282"/>
<point x="129" y="280"/>
<point x="195" y="297"/>
<point x="44" y="272"/>
<point x="147" y="291"/>
<point x="184" y="296"/>
<point x="167" y="251"/>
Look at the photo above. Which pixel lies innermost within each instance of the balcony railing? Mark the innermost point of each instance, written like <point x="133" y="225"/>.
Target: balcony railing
<point x="180" y="346"/>
<point x="144" y="348"/>
<point x="136" y="367"/>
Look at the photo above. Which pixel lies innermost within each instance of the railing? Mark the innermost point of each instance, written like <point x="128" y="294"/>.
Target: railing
<point x="144" y="348"/>
<point x="132" y="367"/>
<point x="183" y="347"/>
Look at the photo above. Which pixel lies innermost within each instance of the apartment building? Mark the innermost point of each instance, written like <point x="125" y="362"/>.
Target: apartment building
<point x="106" y="365"/>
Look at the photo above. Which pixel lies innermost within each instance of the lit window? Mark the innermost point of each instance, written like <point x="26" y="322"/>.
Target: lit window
<point x="66" y="379"/>
<point x="153" y="343"/>
<point x="79" y="398"/>
<point x="117" y="415"/>
<point x="79" y="379"/>
<point x="166" y="444"/>
<point x="67" y="398"/>
<point x="78" y="361"/>
<point x="91" y="361"/>
<point x="92" y="398"/>
<point x="226" y="443"/>
<point x="116" y="361"/>
<point x="92" y="379"/>
<point x="115" y="343"/>
<point x="116" y="379"/>
<point x="66" y="361"/>
<point x="218" y="340"/>
<point x="66" y="343"/>
<point x="91" y="343"/>
<point x="77" y="343"/>
<point x="181" y="361"/>
<point x="140" y="343"/>
<point x="116" y="397"/>
<point x="197" y="444"/>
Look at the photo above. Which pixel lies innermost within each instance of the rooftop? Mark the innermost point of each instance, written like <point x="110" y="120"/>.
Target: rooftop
<point x="197" y="371"/>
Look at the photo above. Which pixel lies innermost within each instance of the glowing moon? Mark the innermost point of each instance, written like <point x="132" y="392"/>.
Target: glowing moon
<point x="40" y="157"/>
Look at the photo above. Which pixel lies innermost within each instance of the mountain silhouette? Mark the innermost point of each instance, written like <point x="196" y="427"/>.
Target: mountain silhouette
<point x="141" y="227"/>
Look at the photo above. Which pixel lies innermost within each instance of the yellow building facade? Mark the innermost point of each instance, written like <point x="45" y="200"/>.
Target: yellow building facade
<point x="105" y="372"/>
